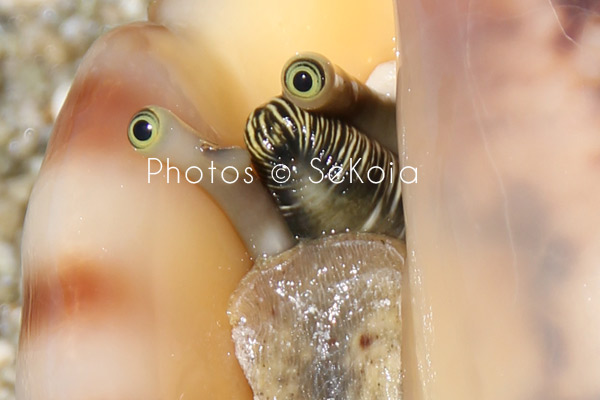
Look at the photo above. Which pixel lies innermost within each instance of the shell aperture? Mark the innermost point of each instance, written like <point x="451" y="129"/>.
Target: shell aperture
<point x="339" y="179"/>
<point x="332" y="304"/>
<point x="323" y="319"/>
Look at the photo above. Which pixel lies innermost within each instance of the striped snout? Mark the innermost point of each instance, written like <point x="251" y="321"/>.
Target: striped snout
<point x="324" y="174"/>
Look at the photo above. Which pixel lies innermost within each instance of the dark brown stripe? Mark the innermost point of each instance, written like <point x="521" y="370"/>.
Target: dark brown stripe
<point x="79" y="290"/>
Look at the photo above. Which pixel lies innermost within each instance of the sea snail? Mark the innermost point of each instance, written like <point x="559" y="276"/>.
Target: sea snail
<point x="315" y="319"/>
<point x="335" y="177"/>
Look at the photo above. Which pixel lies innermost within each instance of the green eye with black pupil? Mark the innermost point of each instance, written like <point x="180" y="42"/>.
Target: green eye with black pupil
<point x="304" y="79"/>
<point x="142" y="130"/>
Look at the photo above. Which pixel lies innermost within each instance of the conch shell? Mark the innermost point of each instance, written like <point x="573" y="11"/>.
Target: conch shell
<point x="126" y="283"/>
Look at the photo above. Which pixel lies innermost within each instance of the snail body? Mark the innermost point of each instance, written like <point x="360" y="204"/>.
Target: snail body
<point x="315" y="319"/>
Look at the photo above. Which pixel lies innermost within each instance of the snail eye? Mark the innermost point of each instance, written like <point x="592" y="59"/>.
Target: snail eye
<point x="143" y="129"/>
<point x="304" y="79"/>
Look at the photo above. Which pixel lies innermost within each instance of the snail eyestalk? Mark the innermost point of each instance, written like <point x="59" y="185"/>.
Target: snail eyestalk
<point x="313" y="83"/>
<point x="156" y="132"/>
